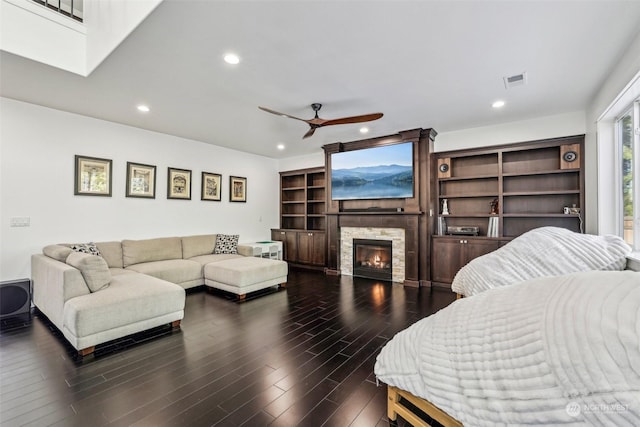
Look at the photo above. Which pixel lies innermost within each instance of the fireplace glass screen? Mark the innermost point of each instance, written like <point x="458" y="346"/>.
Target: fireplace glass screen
<point x="372" y="259"/>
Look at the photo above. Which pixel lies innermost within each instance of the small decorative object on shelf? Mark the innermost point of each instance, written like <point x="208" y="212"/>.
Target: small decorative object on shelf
<point x="495" y="208"/>
<point x="442" y="226"/>
<point x="492" y="230"/>
<point x="445" y="207"/>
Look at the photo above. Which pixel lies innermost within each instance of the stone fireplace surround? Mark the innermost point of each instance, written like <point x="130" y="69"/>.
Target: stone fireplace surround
<point x="395" y="235"/>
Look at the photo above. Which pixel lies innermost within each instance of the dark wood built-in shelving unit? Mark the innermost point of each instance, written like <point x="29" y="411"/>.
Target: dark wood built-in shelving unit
<point x="533" y="182"/>
<point x="302" y="217"/>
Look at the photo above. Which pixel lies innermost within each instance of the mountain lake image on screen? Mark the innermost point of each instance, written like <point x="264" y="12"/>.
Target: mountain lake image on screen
<point x="373" y="173"/>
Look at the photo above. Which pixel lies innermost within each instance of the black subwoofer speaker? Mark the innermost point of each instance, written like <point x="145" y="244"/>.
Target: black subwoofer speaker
<point x="15" y="297"/>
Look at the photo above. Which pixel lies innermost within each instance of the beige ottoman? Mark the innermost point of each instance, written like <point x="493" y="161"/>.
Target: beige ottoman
<point x="247" y="274"/>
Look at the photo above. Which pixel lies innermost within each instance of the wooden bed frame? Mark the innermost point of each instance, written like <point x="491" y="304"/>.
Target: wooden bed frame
<point x="395" y="408"/>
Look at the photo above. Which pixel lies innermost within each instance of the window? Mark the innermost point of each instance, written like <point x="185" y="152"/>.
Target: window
<point x="627" y="132"/>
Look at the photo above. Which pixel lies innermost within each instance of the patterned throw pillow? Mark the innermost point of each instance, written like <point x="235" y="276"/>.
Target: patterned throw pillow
<point x="226" y="244"/>
<point x="86" y="248"/>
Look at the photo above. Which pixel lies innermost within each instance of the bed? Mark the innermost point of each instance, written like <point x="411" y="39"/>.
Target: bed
<point x="541" y="252"/>
<point x="561" y="350"/>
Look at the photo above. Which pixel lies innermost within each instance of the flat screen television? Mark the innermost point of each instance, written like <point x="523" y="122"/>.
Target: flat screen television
<point x="384" y="172"/>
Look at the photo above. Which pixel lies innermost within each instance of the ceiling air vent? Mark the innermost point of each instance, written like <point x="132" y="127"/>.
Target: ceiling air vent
<point x="515" y="80"/>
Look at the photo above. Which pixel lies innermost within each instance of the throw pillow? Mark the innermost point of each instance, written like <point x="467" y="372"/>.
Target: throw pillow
<point x="87" y="248"/>
<point x="57" y="252"/>
<point x="226" y="244"/>
<point x="94" y="269"/>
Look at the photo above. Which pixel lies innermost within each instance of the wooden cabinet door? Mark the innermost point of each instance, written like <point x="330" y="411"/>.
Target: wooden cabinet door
<point x="318" y="248"/>
<point x="476" y="248"/>
<point x="305" y="247"/>
<point x="447" y="257"/>
<point x="290" y="246"/>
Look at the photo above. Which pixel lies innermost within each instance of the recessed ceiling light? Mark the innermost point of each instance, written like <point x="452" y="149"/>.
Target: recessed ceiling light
<point x="498" y="104"/>
<point x="143" y="108"/>
<point x="364" y="129"/>
<point x="231" y="58"/>
<point x="280" y="146"/>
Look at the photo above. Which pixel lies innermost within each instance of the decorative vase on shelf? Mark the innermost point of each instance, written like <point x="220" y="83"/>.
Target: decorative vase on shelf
<point x="492" y="230"/>
<point x="445" y="207"/>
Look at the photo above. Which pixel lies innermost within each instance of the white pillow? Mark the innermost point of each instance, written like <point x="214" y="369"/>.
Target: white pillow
<point x="545" y="251"/>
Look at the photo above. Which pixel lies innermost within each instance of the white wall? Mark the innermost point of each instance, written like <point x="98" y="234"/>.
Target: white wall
<point x="31" y="30"/>
<point x="109" y="23"/>
<point x="28" y="29"/>
<point x="506" y="133"/>
<point x="302" y="162"/>
<point x="37" y="148"/>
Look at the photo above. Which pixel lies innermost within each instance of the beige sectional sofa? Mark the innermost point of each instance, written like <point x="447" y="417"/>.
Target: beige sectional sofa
<point x="135" y="285"/>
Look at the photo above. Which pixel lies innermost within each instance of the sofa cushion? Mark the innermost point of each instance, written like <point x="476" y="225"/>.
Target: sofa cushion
<point x="207" y="259"/>
<point x="94" y="269"/>
<point x="87" y="248"/>
<point x="245" y="271"/>
<point x="226" y="244"/>
<point x="131" y="298"/>
<point x="138" y="251"/>
<point x="174" y="270"/>
<point x="111" y="252"/>
<point x="57" y="252"/>
<point x="198" y="245"/>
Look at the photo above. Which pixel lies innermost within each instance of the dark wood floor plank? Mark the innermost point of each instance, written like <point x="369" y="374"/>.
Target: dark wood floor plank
<point x="352" y="406"/>
<point x="303" y="355"/>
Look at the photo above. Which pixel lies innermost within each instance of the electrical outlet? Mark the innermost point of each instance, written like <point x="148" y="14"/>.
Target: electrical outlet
<point x="20" y="221"/>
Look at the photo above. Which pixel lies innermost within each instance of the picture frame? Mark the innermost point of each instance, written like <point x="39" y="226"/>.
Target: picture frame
<point x="141" y="180"/>
<point x="92" y="176"/>
<point x="179" y="184"/>
<point x="211" y="188"/>
<point x="237" y="189"/>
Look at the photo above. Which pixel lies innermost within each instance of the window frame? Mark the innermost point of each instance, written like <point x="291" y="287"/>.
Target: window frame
<point x="634" y="111"/>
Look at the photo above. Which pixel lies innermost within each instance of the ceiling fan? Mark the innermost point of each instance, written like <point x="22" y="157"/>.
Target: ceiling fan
<point x="317" y="122"/>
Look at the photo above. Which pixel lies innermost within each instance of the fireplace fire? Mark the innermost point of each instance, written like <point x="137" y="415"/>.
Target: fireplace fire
<point x="372" y="259"/>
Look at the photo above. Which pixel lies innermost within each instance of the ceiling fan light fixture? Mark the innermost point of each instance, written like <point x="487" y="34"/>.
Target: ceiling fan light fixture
<point x="318" y="122"/>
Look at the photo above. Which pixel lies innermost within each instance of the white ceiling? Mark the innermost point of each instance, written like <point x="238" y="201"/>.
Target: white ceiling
<point x="436" y="64"/>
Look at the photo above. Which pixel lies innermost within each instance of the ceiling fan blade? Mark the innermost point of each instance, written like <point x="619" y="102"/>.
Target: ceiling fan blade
<point x="310" y="132"/>
<point x="277" y="113"/>
<point x="353" y="119"/>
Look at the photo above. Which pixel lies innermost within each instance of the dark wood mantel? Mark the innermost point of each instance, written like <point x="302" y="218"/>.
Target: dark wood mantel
<point x="411" y="214"/>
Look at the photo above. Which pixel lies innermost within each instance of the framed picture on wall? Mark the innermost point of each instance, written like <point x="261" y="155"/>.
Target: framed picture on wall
<point x="237" y="189"/>
<point x="141" y="180"/>
<point x="211" y="188"/>
<point x="179" y="184"/>
<point x="92" y="176"/>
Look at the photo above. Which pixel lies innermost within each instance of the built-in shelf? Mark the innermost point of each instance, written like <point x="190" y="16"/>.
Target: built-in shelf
<point x="471" y="177"/>
<point x="532" y="184"/>
<point x="302" y="217"/>
<point x="375" y="213"/>
<point x="541" y="193"/>
<point x="462" y="196"/>
<point x="540" y="215"/>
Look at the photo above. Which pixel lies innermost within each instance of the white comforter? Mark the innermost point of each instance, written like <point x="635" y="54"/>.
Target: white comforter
<point x="544" y="251"/>
<point x="556" y="351"/>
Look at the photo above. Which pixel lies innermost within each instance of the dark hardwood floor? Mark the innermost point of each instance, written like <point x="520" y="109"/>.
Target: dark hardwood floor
<point x="303" y="355"/>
